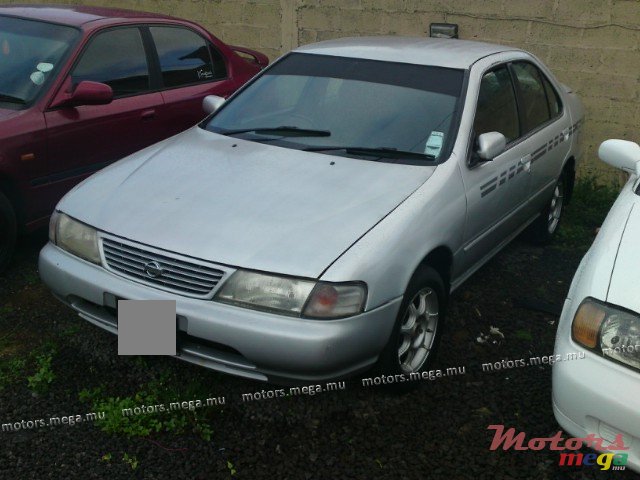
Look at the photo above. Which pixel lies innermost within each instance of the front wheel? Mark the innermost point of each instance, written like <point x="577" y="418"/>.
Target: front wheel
<point x="8" y="231"/>
<point x="414" y="339"/>
<point x="545" y="226"/>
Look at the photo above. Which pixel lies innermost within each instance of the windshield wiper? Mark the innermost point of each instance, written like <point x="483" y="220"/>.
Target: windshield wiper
<point x="384" y="152"/>
<point x="281" y="131"/>
<point x="11" y="99"/>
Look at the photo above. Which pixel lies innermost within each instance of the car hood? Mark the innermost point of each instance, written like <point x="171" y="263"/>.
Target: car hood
<point x="243" y="203"/>
<point x="625" y="279"/>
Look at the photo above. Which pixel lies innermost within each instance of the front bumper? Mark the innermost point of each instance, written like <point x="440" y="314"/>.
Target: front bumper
<point x="593" y="395"/>
<point x="239" y="341"/>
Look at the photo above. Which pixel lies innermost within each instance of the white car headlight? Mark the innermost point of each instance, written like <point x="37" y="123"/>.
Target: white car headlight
<point x="611" y="331"/>
<point x="74" y="237"/>
<point x="292" y="296"/>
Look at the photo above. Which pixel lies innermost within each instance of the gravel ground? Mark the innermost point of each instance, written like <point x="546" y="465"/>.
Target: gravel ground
<point x="437" y="431"/>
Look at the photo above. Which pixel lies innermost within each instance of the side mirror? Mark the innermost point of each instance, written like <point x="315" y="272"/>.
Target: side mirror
<point x="621" y="154"/>
<point x="490" y="145"/>
<point x="91" y="93"/>
<point x="211" y="103"/>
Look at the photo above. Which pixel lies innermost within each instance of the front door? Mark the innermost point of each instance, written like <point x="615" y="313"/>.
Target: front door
<point x="497" y="190"/>
<point x="84" y="139"/>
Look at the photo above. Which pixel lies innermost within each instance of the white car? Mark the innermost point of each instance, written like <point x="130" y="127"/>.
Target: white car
<point x="600" y="393"/>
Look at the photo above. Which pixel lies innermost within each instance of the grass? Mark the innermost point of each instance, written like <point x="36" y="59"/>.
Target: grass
<point x="162" y="391"/>
<point x="589" y="206"/>
<point x="40" y="381"/>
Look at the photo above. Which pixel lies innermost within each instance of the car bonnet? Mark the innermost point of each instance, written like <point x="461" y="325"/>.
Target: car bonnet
<point x="243" y="203"/>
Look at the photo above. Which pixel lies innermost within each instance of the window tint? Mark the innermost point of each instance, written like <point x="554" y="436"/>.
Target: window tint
<point x="117" y="58"/>
<point x="185" y="57"/>
<point x="552" y="97"/>
<point x="497" y="110"/>
<point x="362" y="103"/>
<point x="534" y="99"/>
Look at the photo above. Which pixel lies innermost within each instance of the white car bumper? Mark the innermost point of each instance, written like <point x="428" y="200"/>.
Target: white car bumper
<point x="594" y="395"/>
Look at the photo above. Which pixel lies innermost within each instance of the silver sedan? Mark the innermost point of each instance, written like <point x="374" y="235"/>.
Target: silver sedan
<point x="314" y="224"/>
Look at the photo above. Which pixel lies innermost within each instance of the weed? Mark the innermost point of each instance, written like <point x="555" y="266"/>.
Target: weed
<point x="589" y="206"/>
<point x="39" y="382"/>
<point x="232" y="469"/>
<point x="131" y="460"/>
<point x="148" y="411"/>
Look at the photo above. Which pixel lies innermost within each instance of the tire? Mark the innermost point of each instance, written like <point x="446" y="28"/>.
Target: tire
<point x="542" y="230"/>
<point x="8" y="231"/>
<point x="426" y="293"/>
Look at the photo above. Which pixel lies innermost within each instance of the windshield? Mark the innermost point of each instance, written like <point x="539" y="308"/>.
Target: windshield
<point x="316" y="101"/>
<point x="30" y="54"/>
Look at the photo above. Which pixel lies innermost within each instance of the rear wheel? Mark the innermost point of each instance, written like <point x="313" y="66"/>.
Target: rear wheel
<point x="542" y="230"/>
<point x="8" y="230"/>
<point x="414" y="339"/>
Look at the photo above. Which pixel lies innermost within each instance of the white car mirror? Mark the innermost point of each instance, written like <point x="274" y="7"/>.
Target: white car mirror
<point x="621" y="154"/>
<point x="211" y="103"/>
<point x="490" y="145"/>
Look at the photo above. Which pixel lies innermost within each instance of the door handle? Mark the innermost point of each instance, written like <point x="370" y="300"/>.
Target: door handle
<point x="526" y="162"/>
<point x="148" y="115"/>
<point x="565" y="133"/>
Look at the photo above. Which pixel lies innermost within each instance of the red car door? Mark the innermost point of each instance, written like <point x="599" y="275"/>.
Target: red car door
<point x="83" y="139"/>
<point x="191" y="68"/>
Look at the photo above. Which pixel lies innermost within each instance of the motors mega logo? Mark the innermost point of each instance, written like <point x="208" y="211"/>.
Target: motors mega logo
<point x="609" y="456"/>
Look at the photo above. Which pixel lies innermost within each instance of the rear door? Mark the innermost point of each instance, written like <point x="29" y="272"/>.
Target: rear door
<point x="547" y="124"/>
<point x="83" y="139"/>
<point x="191" y="68"/>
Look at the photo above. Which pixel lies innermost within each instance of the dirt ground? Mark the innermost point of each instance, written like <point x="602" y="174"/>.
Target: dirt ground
<point x="54" y="364"/>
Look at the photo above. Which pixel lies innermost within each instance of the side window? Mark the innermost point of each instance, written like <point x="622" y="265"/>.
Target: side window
<point x="555" y="107"/>
<point x="534" y="99"/>
<point x="185" y="57"/>
<point x="117" y="58"/>
<point x="497" y="110"/>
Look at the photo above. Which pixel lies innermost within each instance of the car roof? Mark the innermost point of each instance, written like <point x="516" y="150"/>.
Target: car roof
<point x="76" y="15"/>
<point x="440" y="52"/>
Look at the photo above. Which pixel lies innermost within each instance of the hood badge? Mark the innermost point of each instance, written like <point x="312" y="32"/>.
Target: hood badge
<point x="153" y="269"/>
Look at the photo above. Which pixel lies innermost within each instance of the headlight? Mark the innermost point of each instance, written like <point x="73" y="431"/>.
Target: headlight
<point x="74" y="237"/>
<point x="292" y="296"/>
<point x="609" y="330"/>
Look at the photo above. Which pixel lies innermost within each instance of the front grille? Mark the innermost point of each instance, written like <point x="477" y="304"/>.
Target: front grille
<point x="178" y="275"/>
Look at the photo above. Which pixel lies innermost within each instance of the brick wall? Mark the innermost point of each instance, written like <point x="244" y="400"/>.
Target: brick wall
<point x="592" y="45"/>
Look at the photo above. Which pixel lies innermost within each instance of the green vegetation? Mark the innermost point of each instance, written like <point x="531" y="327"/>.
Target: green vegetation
<point x="132" y="461"/>
<point x="39" y="382"/>
<point x="232" y="469"/>
<point x="584" y="215"/>
<point x="156" y="419"/>
<point x="11" y="371"/>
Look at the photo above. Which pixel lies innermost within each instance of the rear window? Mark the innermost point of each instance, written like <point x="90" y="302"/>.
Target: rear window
<point x="186" y="58"/>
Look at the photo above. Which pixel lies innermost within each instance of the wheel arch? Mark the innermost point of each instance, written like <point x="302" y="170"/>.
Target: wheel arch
<point x="441" y="260"/>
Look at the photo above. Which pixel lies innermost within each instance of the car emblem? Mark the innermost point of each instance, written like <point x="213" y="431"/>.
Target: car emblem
<point x="153" y="269"/>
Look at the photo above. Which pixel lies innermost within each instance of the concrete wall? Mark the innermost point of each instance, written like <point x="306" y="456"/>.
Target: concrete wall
<point x="592" y="45"/>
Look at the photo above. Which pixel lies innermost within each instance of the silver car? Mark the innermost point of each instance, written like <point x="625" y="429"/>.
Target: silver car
<point x="314" y="224"/>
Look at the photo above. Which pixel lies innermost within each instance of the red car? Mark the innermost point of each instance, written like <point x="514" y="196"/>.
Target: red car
<point x="82" y="87"/>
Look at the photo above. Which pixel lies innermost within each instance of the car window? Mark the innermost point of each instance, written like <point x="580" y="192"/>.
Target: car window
<point x="361" y="103"/>
<point x="497" y="110"/>
<point x="555" y="107"/>
<point x="117" y="58"/>
<point x="31" y="53"/>
<point x="186" y="58"/>
<point x="535" y="109"/>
